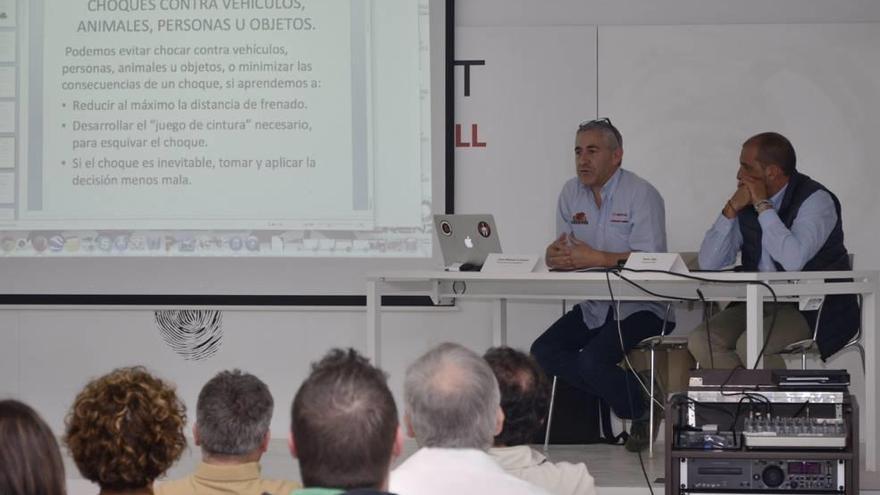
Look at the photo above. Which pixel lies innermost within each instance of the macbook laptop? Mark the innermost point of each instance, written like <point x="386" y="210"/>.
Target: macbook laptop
<point x="466" y="240"/>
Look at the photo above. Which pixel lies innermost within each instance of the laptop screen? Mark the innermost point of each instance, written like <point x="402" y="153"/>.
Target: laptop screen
<point x="466" y="239"/>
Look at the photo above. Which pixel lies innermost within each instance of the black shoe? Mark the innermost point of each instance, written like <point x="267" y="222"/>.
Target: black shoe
<point x="639" y="431"/>
<point x="638" y="436"/>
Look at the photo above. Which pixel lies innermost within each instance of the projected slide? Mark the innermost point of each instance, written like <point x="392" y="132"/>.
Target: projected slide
<point x="215" y="127"/>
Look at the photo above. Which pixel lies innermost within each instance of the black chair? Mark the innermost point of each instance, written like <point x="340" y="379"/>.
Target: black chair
<point x="809" y="346"/>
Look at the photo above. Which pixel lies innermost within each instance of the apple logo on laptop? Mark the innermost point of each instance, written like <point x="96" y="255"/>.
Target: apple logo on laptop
<point x="468" y="243"/>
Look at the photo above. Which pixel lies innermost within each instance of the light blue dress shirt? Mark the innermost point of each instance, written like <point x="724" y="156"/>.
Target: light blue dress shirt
<point x="632" y="218"/>
<point x="791" y="248"/>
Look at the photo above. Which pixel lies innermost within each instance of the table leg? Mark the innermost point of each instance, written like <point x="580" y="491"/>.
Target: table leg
<point x="499" y="322"/>
<point x="872" y="350"/>
<point x="754" y="325"/>
<point x="374" y="322"/>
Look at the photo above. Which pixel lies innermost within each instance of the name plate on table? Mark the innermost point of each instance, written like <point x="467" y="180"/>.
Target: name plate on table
<point x="667" y="262"/>
<point x="807" y="302"/>
<point x="509" y="263"/>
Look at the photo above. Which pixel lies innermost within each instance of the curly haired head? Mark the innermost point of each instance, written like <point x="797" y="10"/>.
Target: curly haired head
<point x="125" y="429"/>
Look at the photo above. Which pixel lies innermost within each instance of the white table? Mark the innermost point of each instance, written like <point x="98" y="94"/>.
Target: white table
<point x="444" y="286"/>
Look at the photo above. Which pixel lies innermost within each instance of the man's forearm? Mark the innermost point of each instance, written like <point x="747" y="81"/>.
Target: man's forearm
<point x="608" y="259"/>
<point x="614" y="259"/>
<point x="720" y="245"/>
<point x="792" y="247"/>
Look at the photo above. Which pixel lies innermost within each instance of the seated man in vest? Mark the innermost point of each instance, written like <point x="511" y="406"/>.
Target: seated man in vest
<point x="344" y="429"/>
<point x="232" y="428"/>
<point x="781" y="220"/>
<point x="603" y="214"/>
<point x="524" y="399"/>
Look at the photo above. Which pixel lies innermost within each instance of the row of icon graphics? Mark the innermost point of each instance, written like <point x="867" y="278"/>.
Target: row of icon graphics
<point x="38" y="243"/>
<point x="115" y="243"/>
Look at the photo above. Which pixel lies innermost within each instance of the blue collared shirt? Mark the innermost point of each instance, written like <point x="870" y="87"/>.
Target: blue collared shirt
<point x="791" y="248"/>
<point x="632" y="218"/>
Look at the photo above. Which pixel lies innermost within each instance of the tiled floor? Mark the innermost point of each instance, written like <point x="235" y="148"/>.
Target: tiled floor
<point x="616" y="471"/>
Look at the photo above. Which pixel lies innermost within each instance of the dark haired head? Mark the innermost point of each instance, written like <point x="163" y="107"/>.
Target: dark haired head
<point x="774" y="148"/>
<point x="233" y="414"/>
<point x="524" y="394"/>
<point x="125" y="429"/>
<point x="30" y="461"/>
<point x="344" y="423"/>
<point x="603" y="125"/>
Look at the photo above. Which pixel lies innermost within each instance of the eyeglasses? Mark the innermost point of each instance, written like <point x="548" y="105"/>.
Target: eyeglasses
<point x="604" y="124"/>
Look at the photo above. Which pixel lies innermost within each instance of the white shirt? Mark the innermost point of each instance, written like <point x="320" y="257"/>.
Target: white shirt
<point x="436" y="471"/>
<point x="561" y="478"/>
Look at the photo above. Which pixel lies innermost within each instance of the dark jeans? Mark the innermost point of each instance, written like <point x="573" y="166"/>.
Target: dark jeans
<point x="587" y="358"/>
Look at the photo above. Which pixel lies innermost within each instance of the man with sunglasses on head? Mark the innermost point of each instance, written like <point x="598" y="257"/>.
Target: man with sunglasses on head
<point x="780" y="220"/>
<point x="603" y="214"/>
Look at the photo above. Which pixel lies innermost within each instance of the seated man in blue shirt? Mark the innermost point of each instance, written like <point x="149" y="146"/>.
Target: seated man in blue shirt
<point x="603" y="214"/>
<point x="781" y="220"/>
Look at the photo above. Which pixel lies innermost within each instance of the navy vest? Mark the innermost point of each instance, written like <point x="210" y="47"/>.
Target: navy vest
<point x="839" y="319"/>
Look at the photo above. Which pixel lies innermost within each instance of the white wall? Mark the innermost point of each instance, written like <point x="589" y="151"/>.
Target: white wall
<point x="46" y="355"/>
<point x="517" y="101"/>
<point x="688" y="96"/>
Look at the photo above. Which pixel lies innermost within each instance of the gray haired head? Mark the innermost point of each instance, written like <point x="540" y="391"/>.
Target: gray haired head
<point x="603" y="125"/>
<point x="452" y="399"/>
<point x="233" y="414"/>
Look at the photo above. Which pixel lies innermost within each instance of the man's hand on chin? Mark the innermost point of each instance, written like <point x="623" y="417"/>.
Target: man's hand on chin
<point x="757" y="188"/>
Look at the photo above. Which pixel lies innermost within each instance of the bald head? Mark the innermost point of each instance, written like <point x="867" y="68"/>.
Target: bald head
<point x="452" y="399"/>
<point x="448" y="377"/>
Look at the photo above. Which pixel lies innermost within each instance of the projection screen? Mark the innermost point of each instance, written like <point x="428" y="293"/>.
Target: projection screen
<point x="218" y="146"/>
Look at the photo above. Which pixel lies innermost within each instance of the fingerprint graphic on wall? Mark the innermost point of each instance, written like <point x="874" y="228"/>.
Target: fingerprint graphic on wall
<point x="194" y="334"/>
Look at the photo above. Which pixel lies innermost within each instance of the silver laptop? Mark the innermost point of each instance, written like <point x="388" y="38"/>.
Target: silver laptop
<point x="466" y="240"/>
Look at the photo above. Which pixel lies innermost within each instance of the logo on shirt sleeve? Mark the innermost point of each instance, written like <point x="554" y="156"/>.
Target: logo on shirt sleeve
<point x="579" y="218"/>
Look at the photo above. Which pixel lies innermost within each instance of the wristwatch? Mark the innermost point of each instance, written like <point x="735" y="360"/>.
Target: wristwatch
<point x="762" y="206"/>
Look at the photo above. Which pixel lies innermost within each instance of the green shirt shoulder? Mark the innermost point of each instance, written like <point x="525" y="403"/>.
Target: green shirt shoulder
<point x="317" y="491"/>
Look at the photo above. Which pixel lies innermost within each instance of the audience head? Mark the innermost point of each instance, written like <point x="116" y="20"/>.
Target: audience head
<point x="524" y="394"/>
<point x="771" y="148"/>
<point x="452" y="399"/>
<point x="125" y="429"/>
<point x="30" y="462"/>
<point x="344" y="427"/>
<point x="232" y="417"/>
